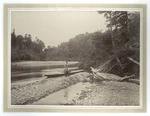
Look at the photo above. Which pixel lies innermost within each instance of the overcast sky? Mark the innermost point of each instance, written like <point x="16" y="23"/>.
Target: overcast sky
<point x="55" y="27"/>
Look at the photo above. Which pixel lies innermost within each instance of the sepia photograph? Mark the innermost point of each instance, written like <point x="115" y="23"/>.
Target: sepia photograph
<point x="87" y="57"/>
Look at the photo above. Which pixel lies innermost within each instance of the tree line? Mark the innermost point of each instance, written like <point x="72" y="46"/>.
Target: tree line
<point x="91" y="49"/>
<point x="23" y="48"/>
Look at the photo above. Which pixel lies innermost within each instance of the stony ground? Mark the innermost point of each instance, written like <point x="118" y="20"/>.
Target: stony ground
<point x="103" y="93"/>
<point x="28" y="93"/>
<point x="109" y="93"/>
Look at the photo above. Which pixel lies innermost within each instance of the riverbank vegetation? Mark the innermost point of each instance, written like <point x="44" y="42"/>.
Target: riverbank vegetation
<point x="120" y="43"/>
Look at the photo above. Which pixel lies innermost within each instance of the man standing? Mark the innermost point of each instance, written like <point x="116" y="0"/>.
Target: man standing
<point x="66" y="70"/>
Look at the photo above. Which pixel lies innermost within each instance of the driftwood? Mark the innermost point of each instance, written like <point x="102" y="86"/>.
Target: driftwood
<point x="120" y="66"/>
<point x="134" y="61"/>
<point x="108" y="65"/>
<point x="110" y="77"/>
<point x="134" y="81"/>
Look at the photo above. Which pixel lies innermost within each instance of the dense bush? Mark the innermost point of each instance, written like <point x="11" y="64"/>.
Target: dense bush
<point x="121" y="40"/>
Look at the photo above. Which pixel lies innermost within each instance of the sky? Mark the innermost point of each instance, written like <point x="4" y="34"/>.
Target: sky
<point x="55" y="27"/>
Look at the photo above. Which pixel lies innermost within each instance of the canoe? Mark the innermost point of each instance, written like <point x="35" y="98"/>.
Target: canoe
<point x="62" y="74"/>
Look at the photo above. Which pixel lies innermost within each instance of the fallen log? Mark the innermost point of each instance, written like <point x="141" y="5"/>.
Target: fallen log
<point x="136" y="81"/>
<point x="111" y="77"/>
<point x="131" y="59"/>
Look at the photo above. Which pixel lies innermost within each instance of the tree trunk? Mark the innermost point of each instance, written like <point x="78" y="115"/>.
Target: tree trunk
<point x="111" y="32"/>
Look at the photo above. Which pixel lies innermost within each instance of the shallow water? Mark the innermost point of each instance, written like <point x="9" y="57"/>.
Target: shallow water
<point x="64" y="96"/>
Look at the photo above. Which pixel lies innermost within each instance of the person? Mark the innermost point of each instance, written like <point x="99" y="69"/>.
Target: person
<point x="66" y="70"/>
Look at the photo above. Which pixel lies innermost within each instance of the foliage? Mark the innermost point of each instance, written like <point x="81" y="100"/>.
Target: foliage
<point x="125" y="36"/>
<point x="90" y="49"/>
<point x="24" y="49"/>
<point x="75" y="49"/>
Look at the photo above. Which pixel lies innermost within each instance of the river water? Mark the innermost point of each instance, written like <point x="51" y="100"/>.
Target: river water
<point x="35" y="70"/>
<point x="64" y="96"/>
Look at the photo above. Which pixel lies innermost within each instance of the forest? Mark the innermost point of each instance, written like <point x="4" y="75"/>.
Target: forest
<point x="119" y="42"/>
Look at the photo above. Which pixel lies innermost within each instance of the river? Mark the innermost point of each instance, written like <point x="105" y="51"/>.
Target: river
<point x="35" y="70"/>
<point x="64" y="96"/>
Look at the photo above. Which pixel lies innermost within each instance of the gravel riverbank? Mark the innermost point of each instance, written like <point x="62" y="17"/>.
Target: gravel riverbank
<point x="109" y="93"/>
<point x="103" y="93"/>
<point x="28" y="93"/>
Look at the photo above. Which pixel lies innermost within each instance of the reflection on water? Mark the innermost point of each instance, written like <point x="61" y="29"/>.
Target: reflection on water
<point x="26" y="71"/>
<point x="64" y="96"/>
